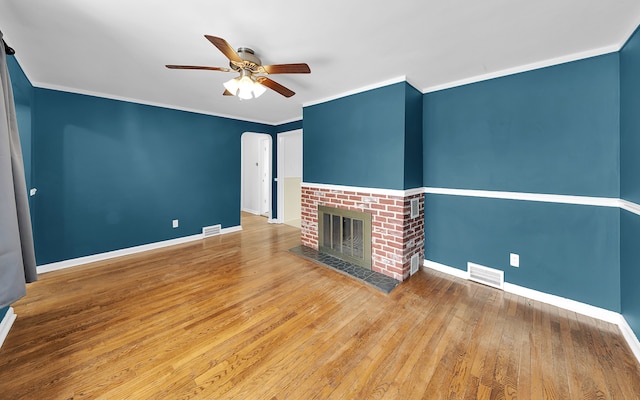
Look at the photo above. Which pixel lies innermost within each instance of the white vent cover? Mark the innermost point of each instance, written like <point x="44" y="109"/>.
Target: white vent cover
<point x="212" y="230"/>
<point x="415" y="263"/>
<point x="485" y="275"/>
<point x="415" y="208"/>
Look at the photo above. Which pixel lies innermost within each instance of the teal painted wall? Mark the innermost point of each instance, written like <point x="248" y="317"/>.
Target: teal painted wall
<point x="413" y="138"/>
<point x="629" y="182"/>
<point x="566" y="250"/>
<point x="289" y="126"/>
<point x="630" y="119"/>
<point x="553" y="130"/>
<point x="112" y="174"/>
<point x="630" y="269"/>
<point x="358" y="140"/>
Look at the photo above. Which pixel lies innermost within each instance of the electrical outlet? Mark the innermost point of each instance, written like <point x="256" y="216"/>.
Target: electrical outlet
<point x="175" y="223"/>
<point x="514" y="260"/>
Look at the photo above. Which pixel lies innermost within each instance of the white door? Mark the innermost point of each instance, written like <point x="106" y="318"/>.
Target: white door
<point x="256" y="173"/>
<point x="265" y="177"/>
<point x="289" y="177"/>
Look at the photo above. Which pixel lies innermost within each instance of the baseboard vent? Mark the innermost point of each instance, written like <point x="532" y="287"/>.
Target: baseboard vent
<point x="415" y="263"/>
<point x="485" y="275"/>
<point x="212" y="230"/>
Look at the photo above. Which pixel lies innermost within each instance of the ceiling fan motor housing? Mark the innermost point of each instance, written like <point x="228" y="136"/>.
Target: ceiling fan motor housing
<point x="251" y="62"/>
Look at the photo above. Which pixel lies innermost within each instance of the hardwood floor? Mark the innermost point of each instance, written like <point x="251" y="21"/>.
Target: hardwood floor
<point x="239" y="317"/>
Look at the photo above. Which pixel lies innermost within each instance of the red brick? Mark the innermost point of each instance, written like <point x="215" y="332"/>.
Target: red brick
<point x="394" y="269"/>
<point x="394" y="221"/>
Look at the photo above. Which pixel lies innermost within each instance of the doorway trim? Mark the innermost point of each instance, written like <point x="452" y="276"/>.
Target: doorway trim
<point x="258" y="137"/>
<point x="280" y="170"/>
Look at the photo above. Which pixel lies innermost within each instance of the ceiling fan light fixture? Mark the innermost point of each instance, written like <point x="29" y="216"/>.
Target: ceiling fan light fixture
<point x="232" y="86"/>
<point x="258" y="89"/>
<point x="245" y="87"/>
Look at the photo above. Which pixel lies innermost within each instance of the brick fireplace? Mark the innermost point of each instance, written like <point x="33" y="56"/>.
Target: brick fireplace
<point x="396" y="235"/>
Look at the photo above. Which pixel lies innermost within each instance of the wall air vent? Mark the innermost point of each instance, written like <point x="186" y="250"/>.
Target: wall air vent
<point x="415" y="263"/>
<point x="212" y="230"/>
<point x="485" y="275"/>
<point x="415" y="208"/>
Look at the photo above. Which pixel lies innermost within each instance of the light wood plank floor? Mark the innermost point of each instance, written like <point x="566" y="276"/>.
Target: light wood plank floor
<point x="239" y="317"/>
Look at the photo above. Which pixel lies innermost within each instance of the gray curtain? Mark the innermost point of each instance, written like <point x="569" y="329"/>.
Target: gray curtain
<point x="17" y="257"/>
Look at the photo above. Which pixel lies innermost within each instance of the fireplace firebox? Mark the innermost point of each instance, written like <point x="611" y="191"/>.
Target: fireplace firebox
<point x="345" y="234"/>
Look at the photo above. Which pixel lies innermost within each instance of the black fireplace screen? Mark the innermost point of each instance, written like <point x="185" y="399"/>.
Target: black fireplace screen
<point x="345" y="234"/>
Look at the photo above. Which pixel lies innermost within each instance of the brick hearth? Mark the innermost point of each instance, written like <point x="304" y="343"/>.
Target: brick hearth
<point x="396" y="237"/>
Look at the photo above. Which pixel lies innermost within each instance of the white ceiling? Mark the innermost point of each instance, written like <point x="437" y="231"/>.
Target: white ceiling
<point x="118" y="48"/>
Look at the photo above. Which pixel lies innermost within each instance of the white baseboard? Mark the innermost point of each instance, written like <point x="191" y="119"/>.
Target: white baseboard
<point x="6" y="324"/>
<point x="125" y="252"/>
<point x="446" y="269"/>
<point x="568" y="304"/>
<point x="631" y="338"/>
<point x="562" y="302"/>
<point x="231" y="229"/>
<point x="250" y="211"/>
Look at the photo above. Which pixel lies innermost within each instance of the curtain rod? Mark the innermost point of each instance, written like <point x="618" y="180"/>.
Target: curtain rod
<point x="8" y="49"/>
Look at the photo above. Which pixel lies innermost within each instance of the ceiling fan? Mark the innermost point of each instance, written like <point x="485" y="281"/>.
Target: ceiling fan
<point x="249" y="84"/>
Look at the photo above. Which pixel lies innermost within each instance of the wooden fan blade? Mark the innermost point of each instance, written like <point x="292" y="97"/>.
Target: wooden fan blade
<point x="198" y="67"/>
<point x="300" y="68"/>
<point x="227" y="93"/>
<point x="263" y="80"/>
<point x="224" y="47"/>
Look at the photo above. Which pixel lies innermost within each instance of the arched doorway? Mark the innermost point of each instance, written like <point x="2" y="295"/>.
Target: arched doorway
<point x="256" y="175"/>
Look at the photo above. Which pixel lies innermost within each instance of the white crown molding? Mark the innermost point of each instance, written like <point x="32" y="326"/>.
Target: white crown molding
<point x="630" y="32"/>
<point x="125" y="252"/>
<point x="286" y="121"/>
<point x="412" y="84"/>
<point x="18" y="56"/>
<point x="526" y="68"/>
<point x="7" y="321"/>
<point x="561" y="302"/>
<point x="66" y="89"/>
<point x="356" y="91"/>
<point x="388" y="192"/>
